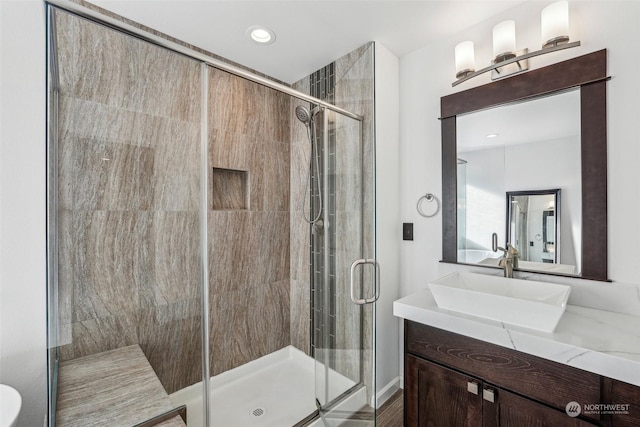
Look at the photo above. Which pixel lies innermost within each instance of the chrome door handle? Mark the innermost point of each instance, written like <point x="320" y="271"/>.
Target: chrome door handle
<point x="354" y="297"/>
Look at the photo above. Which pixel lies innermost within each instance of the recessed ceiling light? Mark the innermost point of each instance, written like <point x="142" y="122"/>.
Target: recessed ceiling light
<point x="493" y="135"/>
<point x="261" y="35"/>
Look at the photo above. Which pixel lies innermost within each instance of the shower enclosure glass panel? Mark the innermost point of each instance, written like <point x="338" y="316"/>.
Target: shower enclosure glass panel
<point x="170" y="233"/>
<point x="343" y="330"/>
<point x="124" y="148"/>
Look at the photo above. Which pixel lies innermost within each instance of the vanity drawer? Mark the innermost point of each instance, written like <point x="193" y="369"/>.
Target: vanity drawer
<point x="549" y="382"/>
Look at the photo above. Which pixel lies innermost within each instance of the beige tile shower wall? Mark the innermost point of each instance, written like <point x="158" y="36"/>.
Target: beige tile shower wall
<point x="249" y="278"/>
<point x="300" y="232"/>
<point x="129" y="131"/>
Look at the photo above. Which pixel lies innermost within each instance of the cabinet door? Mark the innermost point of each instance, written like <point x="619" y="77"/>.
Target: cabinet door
<point x="511" y="410"/>
<point x="620" y="393"/>
<point x="439" y="397"/>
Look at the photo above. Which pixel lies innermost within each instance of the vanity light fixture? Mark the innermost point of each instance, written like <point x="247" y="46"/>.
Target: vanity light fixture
<point x="465" y="59"/>
<point x="555" y="24"/>
<point x="504" y="41"/>
<point x="261" y="35"/>
<point x="507" y="60"/>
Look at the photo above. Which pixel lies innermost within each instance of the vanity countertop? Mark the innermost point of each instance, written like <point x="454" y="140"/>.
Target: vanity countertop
<point x="602" y="342"/>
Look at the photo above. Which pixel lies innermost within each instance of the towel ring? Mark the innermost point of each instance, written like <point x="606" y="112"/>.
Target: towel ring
<point x="429" y="198"/>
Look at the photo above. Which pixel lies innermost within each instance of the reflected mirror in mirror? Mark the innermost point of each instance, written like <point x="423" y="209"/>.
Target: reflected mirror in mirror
<point x="519" y="149"/>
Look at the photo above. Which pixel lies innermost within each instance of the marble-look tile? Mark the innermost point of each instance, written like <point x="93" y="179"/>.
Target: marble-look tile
<point x="300" y="315"/>
<point x="65" y="276"/>
<point x="168" y="84"/>
<point x="86" y="119"/>
<point x="109" y="67"/>
<point x="168" y="261"/>
<point x="235" y="104"/>
<point x="278" y="118"/>
<point x="170" y="336"/>
<point x="175" y="184"/>
<point x="247" y="248"/>
<point x="257" y="172"/>
<point x="300" y="240"/>
<point x="348" y="165"/>
<point x="106" y="249"/>
<point x="110" y="176"/>
<point x="230" y="150"/>
<point x="96" y="63"/>
<point x="222" y="332"/>
<point x="270" y="235"/>
<point x="231" y="251"/>
<point x="248" y="324"/>
<point x="104" y="333"/>
<point x="115" y="388"/>
<point x="267" y="318"/>
<point x="276" y="177"/>
<point x="346" y="63"/>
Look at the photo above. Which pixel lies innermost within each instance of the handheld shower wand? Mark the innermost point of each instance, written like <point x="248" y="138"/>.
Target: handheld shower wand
<point x="307" y="118"/>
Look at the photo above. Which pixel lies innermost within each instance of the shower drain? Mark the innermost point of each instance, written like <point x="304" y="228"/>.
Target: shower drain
<point x="258" y="412"/>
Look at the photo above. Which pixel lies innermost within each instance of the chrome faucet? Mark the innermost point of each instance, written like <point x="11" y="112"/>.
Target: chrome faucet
<point x="509" y="260"/>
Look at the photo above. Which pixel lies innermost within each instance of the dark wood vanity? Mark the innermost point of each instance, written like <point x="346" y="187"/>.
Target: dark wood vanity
<point x="451" y="380"/>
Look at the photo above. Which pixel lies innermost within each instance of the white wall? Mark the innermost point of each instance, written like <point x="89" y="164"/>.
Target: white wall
<point x="485" y="197"/>
<point x="388" y="227"/>
<point x="22" y="206"/>
<point x="426" y="75"/>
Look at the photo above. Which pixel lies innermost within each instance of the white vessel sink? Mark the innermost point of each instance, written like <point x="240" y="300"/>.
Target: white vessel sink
<point x="535" y="305"/>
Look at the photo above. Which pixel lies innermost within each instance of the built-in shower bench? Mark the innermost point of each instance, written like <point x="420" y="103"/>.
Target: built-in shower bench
<point x="114" y="388"/>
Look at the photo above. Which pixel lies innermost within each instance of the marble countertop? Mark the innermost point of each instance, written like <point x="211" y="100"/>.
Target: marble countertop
<point x="602" y="342"/>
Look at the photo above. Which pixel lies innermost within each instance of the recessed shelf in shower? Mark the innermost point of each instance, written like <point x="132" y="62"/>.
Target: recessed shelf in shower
<point x="229" y="189"/>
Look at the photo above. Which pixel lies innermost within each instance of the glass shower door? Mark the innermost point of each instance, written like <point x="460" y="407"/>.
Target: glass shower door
<point x="344" y="275"/>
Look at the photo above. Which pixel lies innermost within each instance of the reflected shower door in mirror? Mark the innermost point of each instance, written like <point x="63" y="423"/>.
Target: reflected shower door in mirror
<point x="517" y="149"/>
<point x="534" y="224"/>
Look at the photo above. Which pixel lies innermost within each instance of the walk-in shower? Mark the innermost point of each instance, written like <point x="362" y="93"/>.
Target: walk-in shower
<point x="188" y="279"/>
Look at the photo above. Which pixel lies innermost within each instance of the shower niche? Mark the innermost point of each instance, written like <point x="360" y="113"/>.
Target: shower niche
<point x="229" y="189"/>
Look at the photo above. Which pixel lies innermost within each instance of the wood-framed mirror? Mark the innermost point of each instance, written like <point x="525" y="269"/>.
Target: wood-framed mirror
<point x="586" y="74"/>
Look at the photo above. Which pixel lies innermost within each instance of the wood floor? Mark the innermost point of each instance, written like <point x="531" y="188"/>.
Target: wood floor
<point x="390" y="414"/>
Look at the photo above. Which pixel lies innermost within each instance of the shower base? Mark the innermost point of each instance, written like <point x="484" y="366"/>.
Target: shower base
<point x="276" y="390"/>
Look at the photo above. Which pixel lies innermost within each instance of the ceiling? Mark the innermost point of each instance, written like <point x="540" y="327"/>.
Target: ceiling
<point x="309" y="33"/>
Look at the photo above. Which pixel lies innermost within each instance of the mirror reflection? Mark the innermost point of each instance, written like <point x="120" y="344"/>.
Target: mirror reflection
<point x="511" y="156"/>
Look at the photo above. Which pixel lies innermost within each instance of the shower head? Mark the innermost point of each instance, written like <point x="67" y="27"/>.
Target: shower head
<point x="303" y="115"/>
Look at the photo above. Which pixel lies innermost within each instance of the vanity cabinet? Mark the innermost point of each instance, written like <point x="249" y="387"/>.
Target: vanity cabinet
<point x="438" y="396"/>
<point x="618" y="392"/>
<point x="444" y="369"/>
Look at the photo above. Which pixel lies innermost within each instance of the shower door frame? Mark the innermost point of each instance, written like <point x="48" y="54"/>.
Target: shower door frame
<point x="326" y="404"/>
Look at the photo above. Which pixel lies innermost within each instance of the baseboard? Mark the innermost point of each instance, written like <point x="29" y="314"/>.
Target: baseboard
<point x="386" y="392"/>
